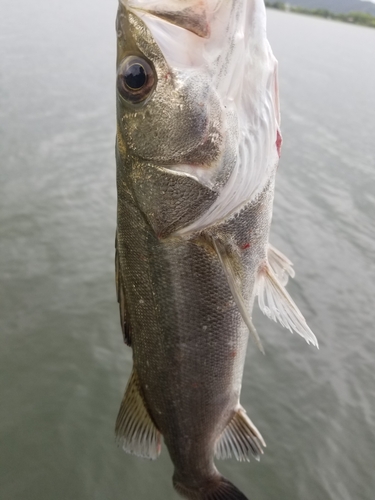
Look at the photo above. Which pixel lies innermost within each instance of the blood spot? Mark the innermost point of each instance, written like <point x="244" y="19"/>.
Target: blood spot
<point x="279" y="141"/>
<point x="245" y="246"/>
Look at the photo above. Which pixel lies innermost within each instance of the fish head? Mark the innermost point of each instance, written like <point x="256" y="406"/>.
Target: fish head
<point x="170" y="116"/>
<point x="197" y="106"/>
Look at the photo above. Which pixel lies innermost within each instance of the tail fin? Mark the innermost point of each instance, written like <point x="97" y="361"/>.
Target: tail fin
<point x="216" y="489"/>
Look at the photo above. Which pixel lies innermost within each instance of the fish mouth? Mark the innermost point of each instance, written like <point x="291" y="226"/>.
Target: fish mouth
<point x="191" y="15"/>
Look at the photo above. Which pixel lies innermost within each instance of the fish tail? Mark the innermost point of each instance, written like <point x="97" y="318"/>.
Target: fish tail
<point x="218" y="488"/>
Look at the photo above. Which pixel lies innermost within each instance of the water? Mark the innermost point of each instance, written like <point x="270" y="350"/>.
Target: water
<point x="62" y="361"/>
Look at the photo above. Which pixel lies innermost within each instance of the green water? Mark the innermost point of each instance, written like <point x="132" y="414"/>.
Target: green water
<point x="63" y="365"/>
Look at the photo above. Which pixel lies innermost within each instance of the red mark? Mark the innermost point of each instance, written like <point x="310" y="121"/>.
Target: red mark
<point x="245" y="246"/>
<point x="279" y="141"/>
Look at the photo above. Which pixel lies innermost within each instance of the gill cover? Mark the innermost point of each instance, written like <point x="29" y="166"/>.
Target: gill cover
<point x="223" y="43"/>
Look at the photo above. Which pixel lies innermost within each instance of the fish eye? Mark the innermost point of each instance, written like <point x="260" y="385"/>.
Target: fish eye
<point x="135" y="79"/>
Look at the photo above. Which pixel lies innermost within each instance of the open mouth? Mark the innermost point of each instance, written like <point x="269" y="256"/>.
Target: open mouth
<point x="187" y="14"/>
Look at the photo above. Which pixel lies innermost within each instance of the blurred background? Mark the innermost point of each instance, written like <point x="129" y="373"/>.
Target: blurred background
<point x="63" y="365"/>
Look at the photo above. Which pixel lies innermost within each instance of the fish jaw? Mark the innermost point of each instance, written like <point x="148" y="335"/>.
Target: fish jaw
<point x="166" y="143"/>
<point x="196" y="163"/>
<point x="180" y="121"/>
<point x="191" y="15"/>
<point x="214" y="114"/>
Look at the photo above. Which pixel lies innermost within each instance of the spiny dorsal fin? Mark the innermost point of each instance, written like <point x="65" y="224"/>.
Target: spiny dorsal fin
<point x="134" y="427"/>
<point x="125" y="326"/>
<point x="240" y="439"/>
<point x="276" y="303"/>
<point x="235" y="289"/>
<point x="280" y="265"/>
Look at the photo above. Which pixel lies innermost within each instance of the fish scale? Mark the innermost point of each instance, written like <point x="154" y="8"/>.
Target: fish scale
<point x="195" y="186"/>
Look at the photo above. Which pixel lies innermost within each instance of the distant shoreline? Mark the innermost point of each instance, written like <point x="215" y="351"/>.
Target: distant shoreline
<point x="352" y="17"/>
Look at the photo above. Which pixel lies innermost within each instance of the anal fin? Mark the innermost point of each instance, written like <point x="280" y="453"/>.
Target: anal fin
<point x="240" y="439"/>
<point x="276" y="303"/>
<point x="134" y="427"/>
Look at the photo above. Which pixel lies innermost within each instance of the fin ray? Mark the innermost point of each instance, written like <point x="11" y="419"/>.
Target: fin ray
<point x="280" y="265"/>
<point x="217" y="489"/>
<point x="240" y="438"/>
<point x="134" y="427"/>
<point x="276" y="303"/>
<point x="236" y="292"/>
<point x="125" y="326"/>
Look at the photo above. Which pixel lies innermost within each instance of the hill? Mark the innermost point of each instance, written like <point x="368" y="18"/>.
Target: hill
<point x="336" y="6"/>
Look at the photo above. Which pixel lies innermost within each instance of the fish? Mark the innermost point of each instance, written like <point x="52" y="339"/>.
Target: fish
<point x="197" y="149"/>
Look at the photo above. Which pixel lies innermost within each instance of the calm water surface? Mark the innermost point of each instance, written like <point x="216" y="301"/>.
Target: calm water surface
<point x="63" y="365"/>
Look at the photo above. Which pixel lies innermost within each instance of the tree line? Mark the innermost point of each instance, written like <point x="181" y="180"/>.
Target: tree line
<point x="351" y="17"/>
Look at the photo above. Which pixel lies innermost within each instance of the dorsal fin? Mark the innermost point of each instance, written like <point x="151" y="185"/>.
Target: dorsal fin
<point x="240" y="439"/>
<point x="276" y="303"/>
<point x="235" y="289"/>
<point x="125" y="326"/>
<point x="134" y="427"/>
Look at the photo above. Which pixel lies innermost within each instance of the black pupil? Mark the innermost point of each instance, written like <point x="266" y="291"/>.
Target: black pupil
<point x="135" y="77"/>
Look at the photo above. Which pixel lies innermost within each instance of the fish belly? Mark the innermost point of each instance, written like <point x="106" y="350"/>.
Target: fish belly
<point x="187" y="334"/>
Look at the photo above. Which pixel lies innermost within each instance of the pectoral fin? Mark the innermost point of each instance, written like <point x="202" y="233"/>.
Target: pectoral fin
<point x="276" y="303"/>
<point x="235" y="289"/>
<point x="125" y="326"/>
<point x="134" y="427"/>
<point x="240" y="438"/>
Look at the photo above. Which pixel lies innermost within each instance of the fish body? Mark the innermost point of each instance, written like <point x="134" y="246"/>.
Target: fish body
<point x="197" y="150"/>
